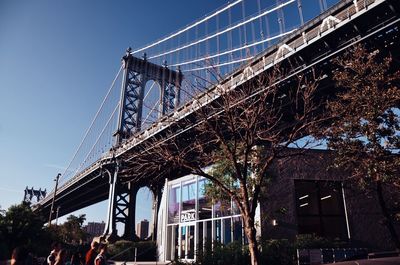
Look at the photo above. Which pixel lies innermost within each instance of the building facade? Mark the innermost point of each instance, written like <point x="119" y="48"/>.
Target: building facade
<point x="305" y="196"/>
<point x="94" y="229"/>
<point x="142" y="229"/>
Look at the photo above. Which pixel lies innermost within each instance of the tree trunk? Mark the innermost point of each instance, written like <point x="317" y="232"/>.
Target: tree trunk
<point x="386" y="215"/>
<point x="252" y="238"/>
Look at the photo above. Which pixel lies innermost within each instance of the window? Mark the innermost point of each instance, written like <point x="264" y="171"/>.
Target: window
<point x="188" y="196"/>
<point x="320" y="208"/>
<point x="173" y="204"/>
<point x="205" y="204"/>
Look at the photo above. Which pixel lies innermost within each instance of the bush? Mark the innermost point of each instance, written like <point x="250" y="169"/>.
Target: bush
<point x="233" y="253"/>
<point x="125" y="251"/>
<point x="308" y="241"/>
<point x="277" y="252"/>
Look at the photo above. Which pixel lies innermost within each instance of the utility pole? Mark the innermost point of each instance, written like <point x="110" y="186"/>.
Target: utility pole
<point x="58" y="209"/>
<point x="54" y="197"/>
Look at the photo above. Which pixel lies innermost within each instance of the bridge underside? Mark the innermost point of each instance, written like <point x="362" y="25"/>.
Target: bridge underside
<point x="378" y="28"/>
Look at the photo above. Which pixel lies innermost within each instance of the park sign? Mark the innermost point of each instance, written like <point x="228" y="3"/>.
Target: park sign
<point x="188" y="216"/>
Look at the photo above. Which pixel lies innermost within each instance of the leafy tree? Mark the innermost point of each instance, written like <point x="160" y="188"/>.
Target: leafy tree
<point x="366" y="127"/>
<point x="20" y="227"/>
<point x="71" y="231"/>
<point x="240" y="133"/>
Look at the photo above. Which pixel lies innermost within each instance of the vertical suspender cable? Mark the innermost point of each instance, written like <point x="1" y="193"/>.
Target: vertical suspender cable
<point x="230" y="56"/>
<point x="217" y="26"/>
<point x="300" y="9"/>
<point x="207" y="73"/>
<point x="244" y="18"/>
<point x="321" y="6"/>
<point x="253" y="33"/>
<point x="267" y="29"/>
<point x="261" y="24"/>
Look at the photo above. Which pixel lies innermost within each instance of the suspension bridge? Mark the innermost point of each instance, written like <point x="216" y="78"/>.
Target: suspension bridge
<point x="169" y="77"/>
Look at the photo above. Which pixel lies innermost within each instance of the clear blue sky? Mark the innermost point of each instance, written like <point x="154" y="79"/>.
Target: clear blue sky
<point x="57" y="60"/>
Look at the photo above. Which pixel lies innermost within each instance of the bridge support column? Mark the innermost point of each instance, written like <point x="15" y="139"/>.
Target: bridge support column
<point x="121" y="208"/>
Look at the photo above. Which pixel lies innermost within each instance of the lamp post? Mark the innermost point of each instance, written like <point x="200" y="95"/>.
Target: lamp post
<point x="58" y="209"/>
<point x="54" y="197"/>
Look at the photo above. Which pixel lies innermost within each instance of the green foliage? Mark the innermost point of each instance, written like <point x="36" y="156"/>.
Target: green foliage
<point x="223" y="171"/>
<point x="19" y="226"/>
<point x="366" y="127"/>
<point x="278" y="252"/>
<point x="233" y="253"/>
<point x="308" y="241"/>
<point x="125" y="250"/>
<point x="71" y="231"/>
<point x="274" y="252"/>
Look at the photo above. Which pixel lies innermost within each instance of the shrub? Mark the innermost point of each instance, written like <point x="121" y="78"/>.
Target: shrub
<point x="125" y="251"/>
<point x="233" y="253"/>
<point x="308" y="241"/>
<point x="277" y="252"/>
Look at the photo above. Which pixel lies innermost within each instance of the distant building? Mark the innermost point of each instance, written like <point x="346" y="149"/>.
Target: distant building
<point x="142" y="229"/>
<point x="94" y="229"/>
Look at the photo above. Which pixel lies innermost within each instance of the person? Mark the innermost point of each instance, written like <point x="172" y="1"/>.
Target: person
<point x="19" y="256"/>
<point x="61" y="257"/>
<point x="92" y="253"/>
<point x="55" y="248"/>
<point x="101" y="257"/>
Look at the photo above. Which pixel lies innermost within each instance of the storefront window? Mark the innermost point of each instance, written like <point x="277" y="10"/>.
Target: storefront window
<point x="205" y="204"/>
<point x="235" y="209"/>
<point x="188" y="196"/>
<point x="173" y="204"/>
<point x="237" y="229"/>
<point x="218" y="230"/>
<point x="227" y="230"/>
<point x="222" y="208"/>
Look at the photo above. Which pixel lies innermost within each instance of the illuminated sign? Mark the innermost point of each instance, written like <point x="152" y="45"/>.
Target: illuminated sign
<point x="188" y="216"/>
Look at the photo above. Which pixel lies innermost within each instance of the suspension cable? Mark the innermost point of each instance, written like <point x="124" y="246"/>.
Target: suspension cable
<point x="188" y="27"/>
<point x="223" y="31"/>
<point x="234" y="50"/>
<point x="93" y="121"/>
<point x="148" y="92"/>
<point x="218" y="65"/>
<point x="98" y="138"/>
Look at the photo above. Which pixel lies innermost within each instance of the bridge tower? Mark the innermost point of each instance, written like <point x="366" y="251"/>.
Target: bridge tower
<point x="137" y="72"/>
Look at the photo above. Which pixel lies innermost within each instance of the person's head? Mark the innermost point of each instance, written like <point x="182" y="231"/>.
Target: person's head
<point x="19" y="256"/>
<point x="102" y="248"/>
<point x="94" y="245"/>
